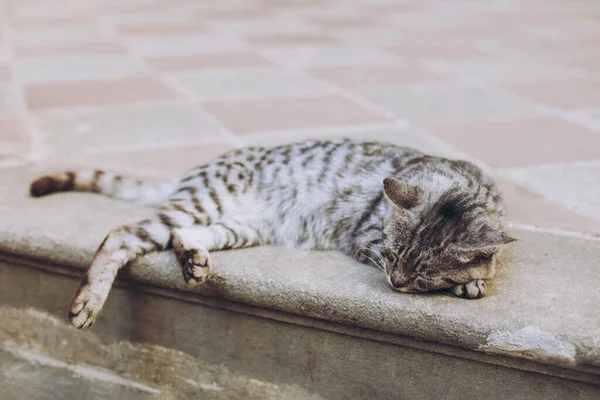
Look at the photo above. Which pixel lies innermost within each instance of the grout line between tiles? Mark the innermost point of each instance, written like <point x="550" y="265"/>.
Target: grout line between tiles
<point x="38" y="147"/>
<point x="172" y="83"/>
<point x="343" y="129"/>
<point x="586" y="163"/>
<point x="208" y="141"/>
<point x="555" y="231"/>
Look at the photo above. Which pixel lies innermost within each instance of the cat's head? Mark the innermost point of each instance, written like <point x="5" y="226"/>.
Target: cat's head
<point x="436" y="241"/>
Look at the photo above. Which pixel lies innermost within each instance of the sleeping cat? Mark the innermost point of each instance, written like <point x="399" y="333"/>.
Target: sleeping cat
<point x="427" y="222"/>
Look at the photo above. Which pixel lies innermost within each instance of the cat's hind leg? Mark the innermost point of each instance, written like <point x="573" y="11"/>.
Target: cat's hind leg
<point x="121" y="246"/>
<point x="193" y="244"/>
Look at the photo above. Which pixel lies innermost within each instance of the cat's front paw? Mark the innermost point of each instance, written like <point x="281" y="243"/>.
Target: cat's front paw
<point x="85" y="307"/>
<point x="195" y="265"/>
<point x="471" y="290"/>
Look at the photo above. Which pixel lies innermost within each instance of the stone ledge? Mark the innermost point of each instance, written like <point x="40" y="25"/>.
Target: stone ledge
<point x="542" y="306"/>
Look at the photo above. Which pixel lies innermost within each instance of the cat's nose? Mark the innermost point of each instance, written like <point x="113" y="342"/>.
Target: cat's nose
<point x="398" y="280"/>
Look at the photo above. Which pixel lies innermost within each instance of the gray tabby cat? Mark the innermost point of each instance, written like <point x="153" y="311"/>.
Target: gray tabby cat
<point x="429" y="223"/>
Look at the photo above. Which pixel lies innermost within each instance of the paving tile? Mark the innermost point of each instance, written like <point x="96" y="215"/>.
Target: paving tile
<point x="9" y="99"/>
<point x="136" y="6"/>
<point x="360" y="21"/>
<point x="71" y="49"/>
<point x="57" y="35"/>
<point x="266" y="26"/>
<point x="593" y="115"/>
<point x="49" y="21"/>
<point x="163" y="162"/>
<point x="291" y="39"/>
<point x="449" y="102"/>
<point x="44" y="10"/>
<point x="207" y="61"/>
<point x="14" y="137"/>
<point x="573" y="185"/>
<point x="439" y="50"/>
<point x="326" y="9"/>
<point x="427" y="21"/>
<point x="161" y="29"/>
<point x="566" y="28"/>
<point x="589" y="62"/>
<point x="529" y="208"/>
<point x="172" y="16"/>
<point x="400" y="137"/>
<point x="326" y="56"/>
<point x="70" y="69"/>
<point x="5" y="73"/>
<point x="250" y="83"/>
<point x="521" y="142"/>
<point x="183" y="44"/>
<point x="374" y="77"/>
<point x="96" y="93"/>
<point x="291" y="113"/>
<point x="373" y="36"/>
<point x="574" y="53"/>
<point x="502" y="70"/>
<point x="127" y="126"/>
<point x="574" y="93"/>
<point x="234" y="14"/>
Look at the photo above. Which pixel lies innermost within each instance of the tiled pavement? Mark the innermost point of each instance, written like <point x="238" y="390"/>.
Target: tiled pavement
<point x="156" y="87"/>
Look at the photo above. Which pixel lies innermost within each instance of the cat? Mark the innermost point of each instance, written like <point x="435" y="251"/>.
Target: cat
<point x="429" y="223"/>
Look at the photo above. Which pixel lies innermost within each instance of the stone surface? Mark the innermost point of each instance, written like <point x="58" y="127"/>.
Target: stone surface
<point x="5" y="73"/>
<point x="9" y="101"/>
<point x="14" y="138"/>
<point x="569" y="94"/>
<point x="292" y="113"/>
<point x="250" y="83"/>
<point x="530" y="208"/>
<point x="71" y="49"/>
<point x="575" y="186"/>
<point x="449" y="102"/>
<point x="67" y="364"/>
<point x="70" y="69"/>
<point x="375" y="77"/>
<point x="206" y="61"/>
<point x="96" y="93"/>
<point x="329" y="56"/>
<point x="136" y="125"/>
<point x="182" y="44"/>
<point x="443" y="68"/>
<point x="541" y="140"/>
<point x="392" y="134"/>
<point x="175" y="159"/>
<point x="246" y="352"/>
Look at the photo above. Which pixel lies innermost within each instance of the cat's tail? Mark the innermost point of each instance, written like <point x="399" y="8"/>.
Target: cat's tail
<point x="109" y="184"/>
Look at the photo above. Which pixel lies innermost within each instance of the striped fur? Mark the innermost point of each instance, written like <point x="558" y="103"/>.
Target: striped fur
<point x="113" y="185"/>
<point x="429" y="223"/>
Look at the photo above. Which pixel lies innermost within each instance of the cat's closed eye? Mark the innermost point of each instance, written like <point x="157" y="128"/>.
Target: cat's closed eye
<point x="475" y="257"/>
<point x="390" y="256"/>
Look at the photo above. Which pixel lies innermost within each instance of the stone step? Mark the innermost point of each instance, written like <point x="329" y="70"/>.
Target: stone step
<point x="319" y="321"/>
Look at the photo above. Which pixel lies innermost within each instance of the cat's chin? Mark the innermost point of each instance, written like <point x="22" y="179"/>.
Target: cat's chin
<point x="403" y="289"/>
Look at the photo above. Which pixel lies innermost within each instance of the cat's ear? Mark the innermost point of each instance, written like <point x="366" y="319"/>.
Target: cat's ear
<point x="489" y="242"/>
<point x="401" y="194"/>
<point x="486" y="247"/>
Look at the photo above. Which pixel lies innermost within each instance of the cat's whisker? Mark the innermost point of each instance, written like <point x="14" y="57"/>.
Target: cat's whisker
<point x="375" y="263"/>
<point x="377" y="253"/>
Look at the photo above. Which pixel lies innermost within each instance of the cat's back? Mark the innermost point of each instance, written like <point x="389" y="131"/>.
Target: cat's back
<point x="336" y="158"/>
